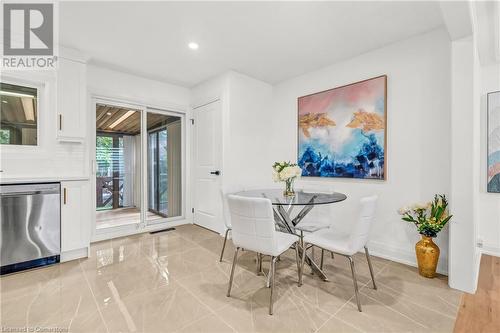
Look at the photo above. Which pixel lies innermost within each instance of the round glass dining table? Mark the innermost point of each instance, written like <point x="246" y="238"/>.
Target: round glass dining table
<point x="301" y="198"/>
<point x="284" y="205"/>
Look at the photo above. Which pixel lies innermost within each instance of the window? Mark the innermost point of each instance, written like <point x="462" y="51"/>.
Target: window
<point x="19" y="115"/>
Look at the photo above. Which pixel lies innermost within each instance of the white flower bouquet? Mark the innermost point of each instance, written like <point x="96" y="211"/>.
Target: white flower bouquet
<point x="286" y="172"/>
<point x="429" y="217"/>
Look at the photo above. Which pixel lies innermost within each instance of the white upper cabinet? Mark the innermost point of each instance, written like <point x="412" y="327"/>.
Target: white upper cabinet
<point x="71" y="101"/>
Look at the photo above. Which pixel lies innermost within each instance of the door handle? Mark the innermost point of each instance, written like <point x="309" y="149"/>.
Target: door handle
<point x="216" y="172"/>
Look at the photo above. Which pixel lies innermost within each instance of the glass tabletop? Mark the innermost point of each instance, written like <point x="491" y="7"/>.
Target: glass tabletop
<point x="300" y="198"/>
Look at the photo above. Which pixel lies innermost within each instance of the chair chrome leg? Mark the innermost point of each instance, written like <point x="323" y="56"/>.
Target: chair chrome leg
<point x="355" y="281"/>
<point x="322" y="259"/>
<point x="259" y="264"/>
<point x="224" y="245"/>
<point x="235" y="258"/>
<point x="297" y="259"/>
<point x="303" y="259"/>
<point x="272" y="274"/>
<point x="333" y="257"/>
<point x="370" y="267"/>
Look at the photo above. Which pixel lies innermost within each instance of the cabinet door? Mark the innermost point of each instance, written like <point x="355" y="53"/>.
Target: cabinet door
<point x="75" y="215"/>
<point x="71" y="98"/>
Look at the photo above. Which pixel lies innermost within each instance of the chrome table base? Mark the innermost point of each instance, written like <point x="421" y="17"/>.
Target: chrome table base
<point x="282" y="216"/>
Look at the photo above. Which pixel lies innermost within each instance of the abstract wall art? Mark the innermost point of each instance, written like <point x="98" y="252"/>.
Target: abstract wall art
<point x="493" y="102"/>
<point x="342" y="131"/>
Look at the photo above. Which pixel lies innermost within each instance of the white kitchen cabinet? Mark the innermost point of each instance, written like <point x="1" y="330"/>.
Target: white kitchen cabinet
<point x="71" y="100"/>
<point x="75" y="216"/>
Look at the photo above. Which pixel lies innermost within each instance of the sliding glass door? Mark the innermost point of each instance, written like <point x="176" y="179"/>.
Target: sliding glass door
<point x="164" y="165"/>
<point x="139" y="167"/>
<point x="118" y="167"/>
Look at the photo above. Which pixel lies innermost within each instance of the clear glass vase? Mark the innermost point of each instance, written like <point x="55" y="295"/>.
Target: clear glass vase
<point x="289" y="192"/>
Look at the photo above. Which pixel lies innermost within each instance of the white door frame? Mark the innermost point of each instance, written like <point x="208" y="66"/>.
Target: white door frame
<point x="141" y="227"/>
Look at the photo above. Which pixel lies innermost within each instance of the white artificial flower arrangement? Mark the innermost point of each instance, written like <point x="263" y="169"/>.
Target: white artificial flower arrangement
<point x="286" y="172"/>
<point x="283" y="171"/>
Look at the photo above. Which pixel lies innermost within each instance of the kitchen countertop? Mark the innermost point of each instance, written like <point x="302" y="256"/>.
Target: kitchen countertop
<point x="48" y="179"/>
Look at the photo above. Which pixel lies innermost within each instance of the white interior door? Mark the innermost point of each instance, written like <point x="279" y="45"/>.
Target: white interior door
<point x="207" y="166"/>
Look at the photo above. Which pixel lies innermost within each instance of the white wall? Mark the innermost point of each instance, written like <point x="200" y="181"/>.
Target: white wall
<point x="464" y="166"/>
<point x="247" y="155"/>
<point x="110" y="83"/>
<point x="418" y="137"/>
<point x="489" y="203"/>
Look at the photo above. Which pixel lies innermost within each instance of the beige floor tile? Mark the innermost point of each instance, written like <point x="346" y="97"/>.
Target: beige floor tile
<point x="18" y="284"/>
<point x="53" y="303"/>
<point x="105" y="254"/>
<point x="190" y="262"/>
<point x="420" y="310"/>
<point x="250" y="313"/>
<point x="208" y="324"/>
<point x="126" y="279"/>
<point x="432" y="293"/>
<point x="210" y="284"/>
<point x="165" y="244"/>
<point x="376" y="317"/>
<point x="214" y="245"/>
<point x="195" y="233"/>
<point x="338" y="326"/>
<point x="162" y="310"/>
<point x="328" y="296"/>
<point x="174" y="281"/>
<point x="87" y="322"/>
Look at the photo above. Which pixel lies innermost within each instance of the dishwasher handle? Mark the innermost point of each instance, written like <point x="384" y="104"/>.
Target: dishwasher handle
<point x="29" y="189"/>
<point x="17" y="194"/>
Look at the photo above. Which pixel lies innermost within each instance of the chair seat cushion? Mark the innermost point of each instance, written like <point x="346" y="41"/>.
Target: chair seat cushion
<point x="311" y="226"/>
<point x="331" y="240"/>
<point x="283" y="243"/>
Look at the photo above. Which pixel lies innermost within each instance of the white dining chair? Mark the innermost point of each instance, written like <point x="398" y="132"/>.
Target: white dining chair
<point x="224" y="192"/>
<point x="347" y="244"/>
<point x="253" y="228"/>
<point x="320" y="217"/>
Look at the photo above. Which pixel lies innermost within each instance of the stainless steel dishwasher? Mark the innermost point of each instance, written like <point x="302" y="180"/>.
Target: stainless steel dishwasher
<point x="31" y="226"/>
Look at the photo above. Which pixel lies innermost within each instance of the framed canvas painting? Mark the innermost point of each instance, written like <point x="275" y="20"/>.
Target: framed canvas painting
<point x="342" y="131"/>
<point x="493" y="102"/>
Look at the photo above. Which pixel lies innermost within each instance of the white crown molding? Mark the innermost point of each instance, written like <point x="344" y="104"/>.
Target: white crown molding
<point x="73" y="54"/>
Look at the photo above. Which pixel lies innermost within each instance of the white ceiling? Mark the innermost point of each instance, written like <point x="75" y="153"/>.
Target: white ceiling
<point x="271" y="41"/>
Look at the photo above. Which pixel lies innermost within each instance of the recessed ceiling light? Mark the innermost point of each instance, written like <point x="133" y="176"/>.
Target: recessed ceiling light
<point x="5" y="102"/>
<point x="108" y="113"/>
<point x="193" y="46"/>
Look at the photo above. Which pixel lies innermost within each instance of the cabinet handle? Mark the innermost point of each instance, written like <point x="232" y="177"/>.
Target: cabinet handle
<point x="64" y="196"/>
<point x="60" y="122"/>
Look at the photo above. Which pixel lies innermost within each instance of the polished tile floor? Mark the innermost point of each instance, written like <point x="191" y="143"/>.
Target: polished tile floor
<point x="173" y="282"/>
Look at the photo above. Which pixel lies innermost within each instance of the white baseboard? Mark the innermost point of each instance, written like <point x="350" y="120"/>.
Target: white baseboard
<point x="402" y="256"/>
<point x="75" y="254"/>
<point x="491" y="250"/>
<point x="127" y="231"/>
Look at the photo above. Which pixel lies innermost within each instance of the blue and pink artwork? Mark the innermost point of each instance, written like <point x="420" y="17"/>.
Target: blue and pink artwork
<point x="494" y="142"/>
<point x="342" y="131"/>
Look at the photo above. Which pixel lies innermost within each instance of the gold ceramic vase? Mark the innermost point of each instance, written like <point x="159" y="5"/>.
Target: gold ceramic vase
<point x="427" y="256"/>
